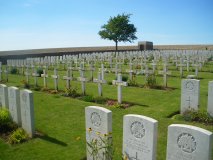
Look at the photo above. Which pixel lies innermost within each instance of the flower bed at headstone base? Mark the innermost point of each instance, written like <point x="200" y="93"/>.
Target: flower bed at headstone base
<point x="9" y="131"/>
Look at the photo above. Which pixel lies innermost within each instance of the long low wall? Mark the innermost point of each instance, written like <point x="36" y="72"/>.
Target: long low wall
<point x="21" y="54"/>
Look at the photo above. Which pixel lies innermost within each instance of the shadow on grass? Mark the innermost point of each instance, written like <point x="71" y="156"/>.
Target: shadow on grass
<point x="50" y="139"/>
<point x="173" y="114"/>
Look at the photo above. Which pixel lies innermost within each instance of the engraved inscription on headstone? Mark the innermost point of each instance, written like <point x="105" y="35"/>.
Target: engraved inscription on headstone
<point x="98" y="124"/>
<point x="190" y="95"/>
<point x="189" y="143"/>
<point x="137" y="129"/>
<point x="186" y="142"/>
<point x="95" y="119"/>
<point x="139" y="137"/>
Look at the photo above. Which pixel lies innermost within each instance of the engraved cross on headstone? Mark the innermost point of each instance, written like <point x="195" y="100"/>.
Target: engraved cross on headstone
<point x="189" y="100"/>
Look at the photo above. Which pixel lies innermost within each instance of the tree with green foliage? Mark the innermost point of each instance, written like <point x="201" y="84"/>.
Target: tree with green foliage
<point x="119" y="29"/>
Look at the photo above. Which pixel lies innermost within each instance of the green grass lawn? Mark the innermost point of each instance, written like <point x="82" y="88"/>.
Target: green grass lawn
<point x="61" y="120"/>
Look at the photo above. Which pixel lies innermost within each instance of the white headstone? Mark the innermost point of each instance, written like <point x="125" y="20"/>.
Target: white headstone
<point x="187" y="142"/>
<point x="190" y="95"/>
<point x="210" y="99"/>
<point x="3" y="96"/>
<point x="14" y="104"/>
<point x="139" y="137"/>
<point x="98" y="125"/>
<point x="27" y="111"/>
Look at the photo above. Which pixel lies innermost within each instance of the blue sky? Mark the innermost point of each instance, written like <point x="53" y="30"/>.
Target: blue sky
<point x="31" y="24"/>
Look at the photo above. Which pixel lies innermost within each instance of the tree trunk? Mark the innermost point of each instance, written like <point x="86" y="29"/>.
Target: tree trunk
<point x="116" y="45"/>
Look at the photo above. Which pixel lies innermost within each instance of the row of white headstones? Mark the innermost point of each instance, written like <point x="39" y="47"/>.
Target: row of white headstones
<point x="190" y="96"/>
<point x="184" y="142"/>
<point x="20" y="105"/>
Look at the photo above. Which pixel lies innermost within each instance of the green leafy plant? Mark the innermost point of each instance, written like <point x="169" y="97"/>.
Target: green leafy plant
<point x="25" y="84"/>
<point x="132" y="82"/>
<point x="88" y="98"/>
<point x="192" y="115"/>
<point x="18" y="136"/>
<point x="101" y="146"/>
<point x="6" y="124"/>
<point x="126" y="61"/>
<point x="151" y="81"/>
<point x="124" y="78"/>
<point x="71" y="92"/>
<point x="4" y="117"/>
<point x="138" y="67"/>
<point x="14" y="70"/>
<point x="100" y="100"/>
<point x="39" y="71"/>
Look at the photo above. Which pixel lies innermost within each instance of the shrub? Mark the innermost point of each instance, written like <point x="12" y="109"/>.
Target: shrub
<point x="18" y="136"/>
<point x="132" y="83"/>
<point x="71" y="92"/>
<point x="126" y="61"/>
<point x="138" y="67"/>
<point x="4" y="117"/>
<point x="25" y="84"/>
<point x="6" y="124"/>
<point x="151" y="81"/>
<point x="88" y="98"/>
<point x="53" y="91"/>
<point x="109" y="82"/>
<point x="203" y="117"/>
<point x="39" y="71"/>
<point x="124" y="78"/>
<point x="14" y="70"/>
<point x="37" y="88"/>
<point x="100" y="100"/>
<point x="210" y="58"/>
